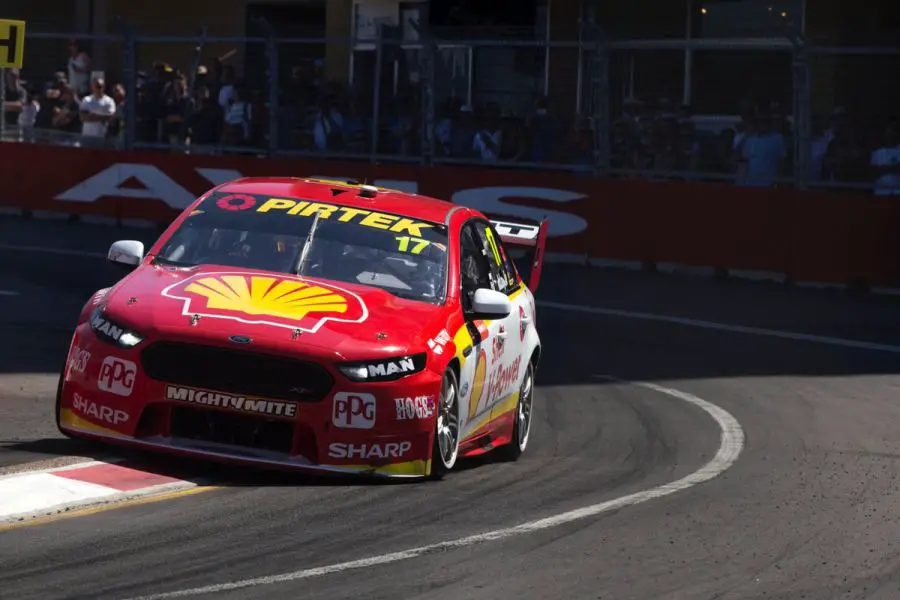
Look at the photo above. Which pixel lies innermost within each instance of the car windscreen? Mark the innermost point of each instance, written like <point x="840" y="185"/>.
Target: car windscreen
<point x="404" y="256"/>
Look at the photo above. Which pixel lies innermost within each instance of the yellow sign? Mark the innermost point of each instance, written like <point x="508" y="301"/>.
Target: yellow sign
<point x="12" y="44"/>
<point x="345" y="214"/>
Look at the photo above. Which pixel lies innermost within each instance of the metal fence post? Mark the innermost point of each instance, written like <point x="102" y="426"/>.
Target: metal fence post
<point x="192" y="80"/>
<point x="376" y="97"/>
<point x="129" y="73"/>
<point x="274" y="91"/>
<point x="600" y="113"/>
<point x="802" y="100"/>
<point x="3" y="105"/>
<point x="428" y="83"/>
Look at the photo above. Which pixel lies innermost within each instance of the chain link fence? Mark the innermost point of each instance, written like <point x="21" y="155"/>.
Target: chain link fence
<point x="776" y="111"/>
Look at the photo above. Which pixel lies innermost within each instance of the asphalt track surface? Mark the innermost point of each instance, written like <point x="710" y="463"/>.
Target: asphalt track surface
<point x="808" y="510"/>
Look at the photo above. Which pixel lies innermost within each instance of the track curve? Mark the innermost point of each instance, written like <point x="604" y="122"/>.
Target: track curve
<point x="805" y="511"/>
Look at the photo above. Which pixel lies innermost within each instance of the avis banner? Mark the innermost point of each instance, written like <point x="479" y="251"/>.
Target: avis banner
<point x="809" y="236"/>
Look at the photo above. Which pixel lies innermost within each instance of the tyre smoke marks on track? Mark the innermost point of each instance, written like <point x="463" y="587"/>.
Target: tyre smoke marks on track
<point x="730" y="446"/>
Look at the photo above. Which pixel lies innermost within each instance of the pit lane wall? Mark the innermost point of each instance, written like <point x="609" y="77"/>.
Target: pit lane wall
<point x="842" y="238"/>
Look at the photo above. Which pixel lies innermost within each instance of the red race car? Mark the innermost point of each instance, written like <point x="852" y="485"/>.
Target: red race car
<point x="316" y="325"/>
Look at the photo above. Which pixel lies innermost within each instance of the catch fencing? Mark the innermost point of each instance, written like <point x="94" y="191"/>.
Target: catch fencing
<point x="615" y="106"/>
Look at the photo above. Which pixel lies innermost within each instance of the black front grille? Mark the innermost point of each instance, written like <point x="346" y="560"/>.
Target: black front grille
<point x="232" y="429"/>
<point x="236" y="371"/>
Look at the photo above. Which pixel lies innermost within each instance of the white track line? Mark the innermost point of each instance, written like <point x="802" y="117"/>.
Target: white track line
<point x="730" y="446"/>
<point x="776" y="333"/>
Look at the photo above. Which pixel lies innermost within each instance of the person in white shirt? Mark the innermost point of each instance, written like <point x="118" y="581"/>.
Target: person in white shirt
<point x="226" y="92"/>
<point x="79" y="68"/>
<point x="96" y="111"/>
<point x="28" y="116"/>
<point x="885" y="163"/>
<point x="238" y="119"/>
<point x="489" y="139"/>
<point x="762" y="151"/>
<point x="328" y="128"/>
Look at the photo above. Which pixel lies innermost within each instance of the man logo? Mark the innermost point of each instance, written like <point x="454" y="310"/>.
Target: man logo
<point x="404" y="365"/>
<point x="12" y="44"/>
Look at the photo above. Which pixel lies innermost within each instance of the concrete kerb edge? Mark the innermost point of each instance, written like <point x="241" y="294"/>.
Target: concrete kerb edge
<point x="117" y="498"/>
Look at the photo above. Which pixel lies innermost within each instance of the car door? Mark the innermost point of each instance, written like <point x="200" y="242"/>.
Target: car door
<point x="476" y="272"/>
<point x="505" y="343"/>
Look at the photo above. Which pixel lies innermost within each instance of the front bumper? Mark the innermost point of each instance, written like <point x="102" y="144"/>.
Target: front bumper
<point x="380" y="429"/>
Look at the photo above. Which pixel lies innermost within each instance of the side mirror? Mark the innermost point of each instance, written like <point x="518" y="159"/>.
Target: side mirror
<point x="490" y="304"/>
<point x="126" y="253"/>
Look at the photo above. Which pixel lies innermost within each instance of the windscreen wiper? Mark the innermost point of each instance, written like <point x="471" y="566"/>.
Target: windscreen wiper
<point x="304" y="252"/>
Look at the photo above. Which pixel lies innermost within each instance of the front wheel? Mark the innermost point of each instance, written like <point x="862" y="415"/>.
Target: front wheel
<point x="522" y="425"/>
<point x="445" y="450"/>
<point x="58" y="408"/>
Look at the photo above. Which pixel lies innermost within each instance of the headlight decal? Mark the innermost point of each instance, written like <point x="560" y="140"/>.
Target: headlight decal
<point x="384" y="369"/>
<point x="111" y="332"/>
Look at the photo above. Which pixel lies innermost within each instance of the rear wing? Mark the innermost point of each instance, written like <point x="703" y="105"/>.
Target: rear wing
<point x="526" y="242"/>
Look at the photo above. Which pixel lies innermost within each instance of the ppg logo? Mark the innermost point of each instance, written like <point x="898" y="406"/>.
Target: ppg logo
<point x="353" y="411"/>
<point x="117" y="376"/>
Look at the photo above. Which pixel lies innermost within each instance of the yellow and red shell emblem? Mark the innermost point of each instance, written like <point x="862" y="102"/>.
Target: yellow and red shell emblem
<point x="267" y="300"/>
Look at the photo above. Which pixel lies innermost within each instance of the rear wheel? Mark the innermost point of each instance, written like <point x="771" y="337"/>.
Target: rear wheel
<point x="522" y="425"/>
<point x="445" y="450"/>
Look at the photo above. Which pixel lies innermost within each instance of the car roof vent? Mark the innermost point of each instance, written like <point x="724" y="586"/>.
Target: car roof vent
<point x="368" y="191"/>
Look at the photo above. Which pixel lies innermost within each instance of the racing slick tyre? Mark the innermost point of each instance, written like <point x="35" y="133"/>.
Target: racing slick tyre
<point x="445" y="450"/>
<point x="522" y="425"/>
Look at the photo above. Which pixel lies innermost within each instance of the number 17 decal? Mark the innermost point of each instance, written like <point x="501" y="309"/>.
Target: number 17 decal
<point x="411" y="244"/>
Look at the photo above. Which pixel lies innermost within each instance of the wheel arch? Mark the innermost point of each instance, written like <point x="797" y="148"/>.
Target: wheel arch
<point x="454" y="366"/>
<point x="535" y="357"/>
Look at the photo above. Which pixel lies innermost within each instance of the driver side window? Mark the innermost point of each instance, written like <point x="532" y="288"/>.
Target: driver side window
<point x="502" y="273"/>
<point x="473" y="269"/>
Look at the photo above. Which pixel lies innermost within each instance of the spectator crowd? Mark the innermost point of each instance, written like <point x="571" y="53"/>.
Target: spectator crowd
<point x="214" y="110"/>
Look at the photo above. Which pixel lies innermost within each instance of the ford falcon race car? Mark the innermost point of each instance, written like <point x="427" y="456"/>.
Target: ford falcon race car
<point x="315" y="325"/>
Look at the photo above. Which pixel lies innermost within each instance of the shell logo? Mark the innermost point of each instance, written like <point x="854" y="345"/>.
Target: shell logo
<point x="267" y="300"/>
